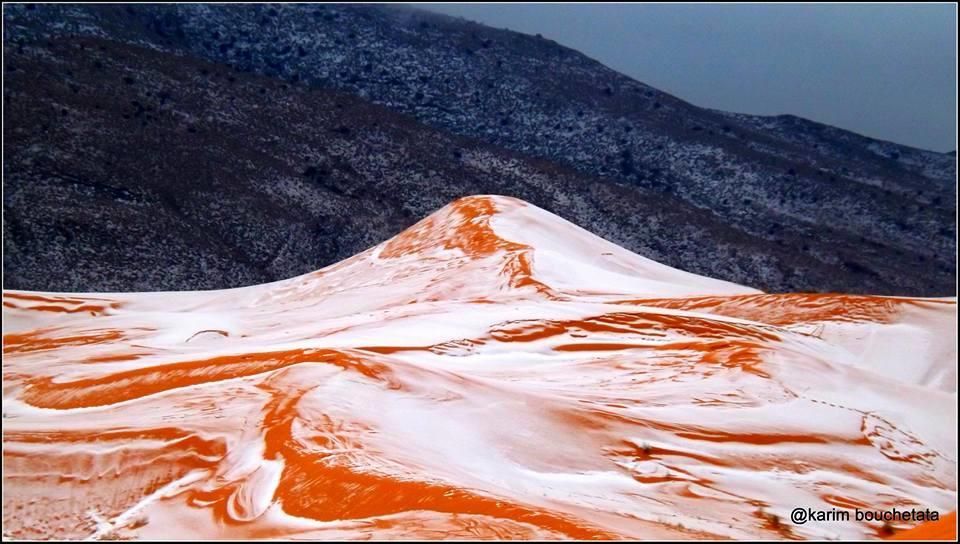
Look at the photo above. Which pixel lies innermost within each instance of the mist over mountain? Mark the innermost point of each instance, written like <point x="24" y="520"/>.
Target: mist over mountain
<point x="199" y="146"/>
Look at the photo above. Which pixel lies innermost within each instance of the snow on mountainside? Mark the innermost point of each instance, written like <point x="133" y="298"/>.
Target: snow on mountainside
<point x="494" y="371"/>
<point x="216" y="93"/>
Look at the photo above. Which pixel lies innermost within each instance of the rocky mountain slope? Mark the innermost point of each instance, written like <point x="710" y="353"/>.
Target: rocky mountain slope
<point x="248" y="171"/>
<point x="409" y="391"/>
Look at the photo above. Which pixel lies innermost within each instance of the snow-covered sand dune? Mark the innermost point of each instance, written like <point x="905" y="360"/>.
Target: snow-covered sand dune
<point x="492" y="372"/>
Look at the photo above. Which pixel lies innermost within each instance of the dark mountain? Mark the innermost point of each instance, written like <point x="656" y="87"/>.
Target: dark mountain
<point x="194" y="146"/>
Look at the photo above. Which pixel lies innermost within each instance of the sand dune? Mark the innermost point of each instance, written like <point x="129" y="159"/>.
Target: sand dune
<point x="492" y="372"/>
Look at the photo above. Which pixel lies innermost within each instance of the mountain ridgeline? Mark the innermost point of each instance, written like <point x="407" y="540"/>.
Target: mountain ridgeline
<point x="175" y="147"/>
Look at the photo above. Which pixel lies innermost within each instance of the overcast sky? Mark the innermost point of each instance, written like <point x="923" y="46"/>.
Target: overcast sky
<point x="886" y="71"/>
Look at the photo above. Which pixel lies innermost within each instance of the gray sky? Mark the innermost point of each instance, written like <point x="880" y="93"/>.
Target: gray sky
<point x="885" y="71"/>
